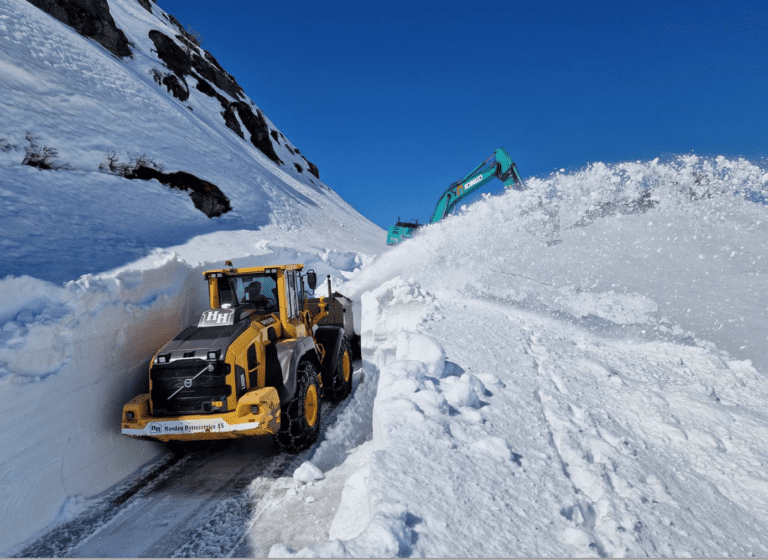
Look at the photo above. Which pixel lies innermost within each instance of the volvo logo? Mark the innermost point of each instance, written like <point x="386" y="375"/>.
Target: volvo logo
<point x="187" y="383"/>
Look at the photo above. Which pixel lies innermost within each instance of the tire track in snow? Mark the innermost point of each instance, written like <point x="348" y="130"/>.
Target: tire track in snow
<point x="61" y="540"/>
<point x="144" y="516"/>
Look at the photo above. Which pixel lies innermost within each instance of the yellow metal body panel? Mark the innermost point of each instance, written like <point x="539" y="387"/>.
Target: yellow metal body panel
<point x="241" y="422"/>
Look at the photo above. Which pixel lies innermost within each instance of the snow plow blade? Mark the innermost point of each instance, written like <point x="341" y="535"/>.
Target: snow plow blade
<point x="257" y="413"/>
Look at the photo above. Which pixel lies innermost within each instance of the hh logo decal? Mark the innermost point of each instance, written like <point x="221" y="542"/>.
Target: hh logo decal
<point x="218" y="317"/>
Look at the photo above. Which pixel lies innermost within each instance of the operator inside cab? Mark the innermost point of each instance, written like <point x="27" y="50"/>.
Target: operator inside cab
<point x="260" y="290"/>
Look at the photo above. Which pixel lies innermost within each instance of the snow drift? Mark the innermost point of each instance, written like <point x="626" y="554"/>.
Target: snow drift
<point x="575" y="370"/>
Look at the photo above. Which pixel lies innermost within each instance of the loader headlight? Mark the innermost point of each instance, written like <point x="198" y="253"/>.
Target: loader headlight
<point x="213" y="355"/>
<point x="129" y="415"/>
<point x="162" y="359"/>
<point x="254" y="409"/>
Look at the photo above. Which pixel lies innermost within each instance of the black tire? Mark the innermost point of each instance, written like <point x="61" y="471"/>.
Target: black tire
<point x="300" y="417"/>
<point x="337" y="384"/>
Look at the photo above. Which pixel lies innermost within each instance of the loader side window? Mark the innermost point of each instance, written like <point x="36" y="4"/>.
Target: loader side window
<point x="292" y="295"/>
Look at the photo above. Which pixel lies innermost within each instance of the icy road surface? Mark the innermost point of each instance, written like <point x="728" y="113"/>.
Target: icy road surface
<point x="199" y="504"/>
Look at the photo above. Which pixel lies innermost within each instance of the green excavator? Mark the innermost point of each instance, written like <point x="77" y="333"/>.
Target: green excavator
<point x="498" y="165"/>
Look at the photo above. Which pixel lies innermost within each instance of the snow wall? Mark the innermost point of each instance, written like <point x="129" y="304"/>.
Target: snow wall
<point x="72" y="355"/>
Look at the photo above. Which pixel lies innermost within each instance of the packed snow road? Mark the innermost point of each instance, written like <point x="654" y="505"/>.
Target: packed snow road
<point x="196" y="505"/>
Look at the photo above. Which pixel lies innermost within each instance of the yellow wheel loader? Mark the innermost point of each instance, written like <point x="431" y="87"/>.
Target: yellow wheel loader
<point x="256" y="363"/>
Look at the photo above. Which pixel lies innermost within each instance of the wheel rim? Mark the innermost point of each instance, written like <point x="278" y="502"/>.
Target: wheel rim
<point x="346" y="367"/>
<point x="310" y="406"/>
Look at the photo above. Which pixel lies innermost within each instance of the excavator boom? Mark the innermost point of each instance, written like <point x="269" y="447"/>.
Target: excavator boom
<point x="498" y="165"/>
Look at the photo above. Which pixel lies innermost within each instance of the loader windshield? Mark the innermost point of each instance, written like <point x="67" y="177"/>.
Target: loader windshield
<point x="258" y="289"/>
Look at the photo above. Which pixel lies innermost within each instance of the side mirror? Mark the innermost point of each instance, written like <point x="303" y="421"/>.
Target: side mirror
<point x="312" y="280"/>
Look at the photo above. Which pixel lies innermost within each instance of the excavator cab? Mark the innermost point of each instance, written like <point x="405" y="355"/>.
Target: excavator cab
<point x="401" y="231"/>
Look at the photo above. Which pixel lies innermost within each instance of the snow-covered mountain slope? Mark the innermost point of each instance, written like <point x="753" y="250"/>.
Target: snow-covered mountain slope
<point x="578" y="369"/>
<point x="64" y="92"/>
<point x="72" y="348"/>
<point x="575" y="370"/>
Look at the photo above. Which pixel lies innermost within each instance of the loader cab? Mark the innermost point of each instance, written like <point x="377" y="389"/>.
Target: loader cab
<point x="258" y="289"/>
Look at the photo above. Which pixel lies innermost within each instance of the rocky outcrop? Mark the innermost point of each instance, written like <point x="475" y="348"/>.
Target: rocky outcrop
<point x="172" y="55"/>
<point x="175" y="87"/>
<point x="206" y="196"/>
<point x="209" y="69"/>
<point x="313" y="168"/>
<point x="230" y="119"/>
<point x="256" y="125"/>
<point x="90" y="18"/>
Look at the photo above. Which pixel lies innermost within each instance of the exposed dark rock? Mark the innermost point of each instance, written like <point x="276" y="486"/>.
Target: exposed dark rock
<point x="296" y="150"/>
<point x="176" y="88"/>
<point x="299" y="168"/>
<point x="171" y="54"/>
<point x="231" y="120"/>
<point x="90" y="18"/>
<point x="218" y="77"/>
<point x="290" y="149"/>
<point x="207" y="89"/>
<point x="210" y="58"/>
<point x="206" y="196"/>
<point x="147" y="6"/>
<point x="257" y="126"/>
<point x="208" y="74"/>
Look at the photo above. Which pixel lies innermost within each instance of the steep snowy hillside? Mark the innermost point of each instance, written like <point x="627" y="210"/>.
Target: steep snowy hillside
<point x="578" y="369"/>
<point x="96" y="119"/>
<point x="119" y="137"/>
<point x="575" y="370"/>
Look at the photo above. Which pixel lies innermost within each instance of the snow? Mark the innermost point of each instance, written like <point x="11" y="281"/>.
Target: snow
<point x="577" y="369"/>
<point x="307" y="473"/>
<point x="99" y="271"/>
<point x="553" y="384"/>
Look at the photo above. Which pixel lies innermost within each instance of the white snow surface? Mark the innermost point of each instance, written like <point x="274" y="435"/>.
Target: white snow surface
<point x="578" y="369"/>
<point x="63" y="91"/>
<point x="563" y="372"/>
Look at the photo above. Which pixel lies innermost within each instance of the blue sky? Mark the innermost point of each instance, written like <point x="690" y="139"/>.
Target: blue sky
<point x="394" y="101"/>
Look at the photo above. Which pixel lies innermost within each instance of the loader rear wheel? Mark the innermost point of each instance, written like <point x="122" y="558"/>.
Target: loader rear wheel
<point x="300" y="417"/>
<point x="337" y="384"/>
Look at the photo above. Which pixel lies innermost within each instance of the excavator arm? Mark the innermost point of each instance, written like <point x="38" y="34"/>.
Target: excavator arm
<point x="499" y="165"/>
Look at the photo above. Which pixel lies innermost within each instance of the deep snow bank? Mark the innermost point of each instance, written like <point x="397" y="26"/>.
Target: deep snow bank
<point x="678" y="244"/>
<point x="574" y="370"/>
<point x="72" y="355"/>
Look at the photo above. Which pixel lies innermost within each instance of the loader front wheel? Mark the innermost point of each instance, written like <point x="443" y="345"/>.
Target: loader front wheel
<point x="337" y="384"/>
<point x="300" y="417"/>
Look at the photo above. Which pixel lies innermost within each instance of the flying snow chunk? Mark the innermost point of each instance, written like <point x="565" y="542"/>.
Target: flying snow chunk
<point x="307" y="473"/>
<point x="421" y="348"/>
